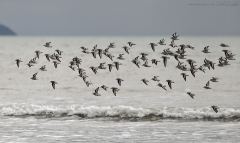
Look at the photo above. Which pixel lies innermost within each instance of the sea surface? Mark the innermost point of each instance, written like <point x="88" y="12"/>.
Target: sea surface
<point x="32" y="111"/>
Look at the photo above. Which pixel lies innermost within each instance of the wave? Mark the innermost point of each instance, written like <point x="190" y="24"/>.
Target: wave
<point x="120" y="112"/>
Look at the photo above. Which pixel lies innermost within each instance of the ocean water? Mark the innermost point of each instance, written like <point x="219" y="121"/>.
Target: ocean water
<point x="32" y="111"/>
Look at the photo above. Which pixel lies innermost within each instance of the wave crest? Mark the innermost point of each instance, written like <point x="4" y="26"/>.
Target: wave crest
<point x="122" y="112"/>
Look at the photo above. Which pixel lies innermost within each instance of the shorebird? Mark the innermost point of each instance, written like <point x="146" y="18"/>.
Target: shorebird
<point x="72" y="67"/>
<point x="101" y="66"/>
<point x="173" y="44"/>
<point x="214" y="79"/>
<point x="201" y="69"/>
<point x="48" y="45"/>
<point x="174" y="36"/>
<point x="191" y="94"/>
<point x="59" y="52"/>
<point x="18" y="62"/>
<point x="207" y="86"/>
<point x="110" y="56"/>
<point x="193" y="72"/>
<point x="94" y="53"/>
<point x="110" y="67"/>
<point x="30" y="64"/>
<point x="153" y="46"/>
<point x="184" y="76"/>
<point x="154" y="61"/>
<point x="94" y="48"/>
<point x="53" y="84"/>
<point x="111" y="45"/>
<point x="88" y="83"/>
<point x="146" y="64"/>
<point x="131" y="44"/>
<point x="100" y="52"/>
<point x="163" y="86"/>
<point x="104" y="87"/>
<point x="115" y="90"/>
<point x="94" y="69"/>
<point x="121" y="57"/>
<point x="165" y="60"/>
<point x="38" y="53"/>
<point x="126" y="49"/>
<point x="55" y="64"/>
<point x="155" y="78"/>
<point x="205" y="50"/>
<point x="169" y="83"/>
<point x="96" y="92"/>
<point x="119" y="80"/>
<point x="224" y="45"/>
<point x="191" y="47"/>
<point x="176" y="57"/>
<point x="161" y="42"/>
<point x="34" y="76"/>
<point x="145" y="81"/>
<point x="43" y="68"/>
<point x="117" y="65"/>
<point x="57" y="57"/>
<point x="215" y="108"/>
<point x="48" y="57"/>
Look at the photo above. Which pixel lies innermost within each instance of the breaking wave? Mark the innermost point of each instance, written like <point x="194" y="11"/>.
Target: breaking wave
<point x="120" y="112"/>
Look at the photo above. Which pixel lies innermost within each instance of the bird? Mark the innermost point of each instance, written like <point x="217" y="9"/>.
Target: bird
<point x="215" y="108"/>
<point x="214" y="79"/>
<point x="34" y="76"/>
<point x="110" y="67"/>
<point x="59" y="52"/>
<point x="48" y="57"/>
<point x="104" y="87"/>
<point x="88" y="83"/>
<point x="163" y="86"/>
<point x="111" y="45"/>
<point x="224" y="45"/>
<point x="96" y="92"/>
<point x="174" y="36"/>
<point x="18" y="62"/>
<point x="100" y="52"/>
<point x="154" y="61"/>
<point x="155" y="78"/>
<point x="207" y="86"/>
<point x="153" y="46"/>
<point x="145" y="81"/>
<point x="169" y="83"/>
<point x="38" y="53"/>
<point x="30" y="64"/>
<point x="43" y="68"/>
<point x="206" y="50"/>
<point x="126" y="49"/>
<point x="184" y="76"/>
<point x="115" y="90"/>
<point x="119" y="80"/>
<point x="193" y="72"/>
<point x="48" y="45"/>
<point x="121" y="57"/>
<point x="94" y="53"/>
<point x="55" y="64"/>
<point x="173" y="44"/>
<point x="101" y="66"/>
<point x="94" y="69"/>
<point x="161" y="42"/>
<point x="130" y="44"/>
<point x="191" y="94"/>
<point x="53" y="84"/>
<point x="165" y="60"/>
<point x="146" y="64"/>
<point x="201" y="69"/>
<point x="117" y="65"/>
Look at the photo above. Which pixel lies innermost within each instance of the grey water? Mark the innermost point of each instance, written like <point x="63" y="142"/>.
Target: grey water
<point x="32" y="111"/>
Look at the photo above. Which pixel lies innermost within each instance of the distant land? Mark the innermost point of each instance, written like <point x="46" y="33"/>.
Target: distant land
<point x="6" y="31"/>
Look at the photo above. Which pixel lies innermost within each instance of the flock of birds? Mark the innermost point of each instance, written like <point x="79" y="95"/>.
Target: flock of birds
<point x="179" y="54"/>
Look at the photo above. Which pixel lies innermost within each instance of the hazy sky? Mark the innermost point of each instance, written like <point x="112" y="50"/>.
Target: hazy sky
<point x="121" y="17"/>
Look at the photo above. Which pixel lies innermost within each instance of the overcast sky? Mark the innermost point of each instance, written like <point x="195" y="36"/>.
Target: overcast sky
<point x="121" y="17"/>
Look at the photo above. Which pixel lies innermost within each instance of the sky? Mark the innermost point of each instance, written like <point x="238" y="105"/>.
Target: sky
<point x="121" y="17"/>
